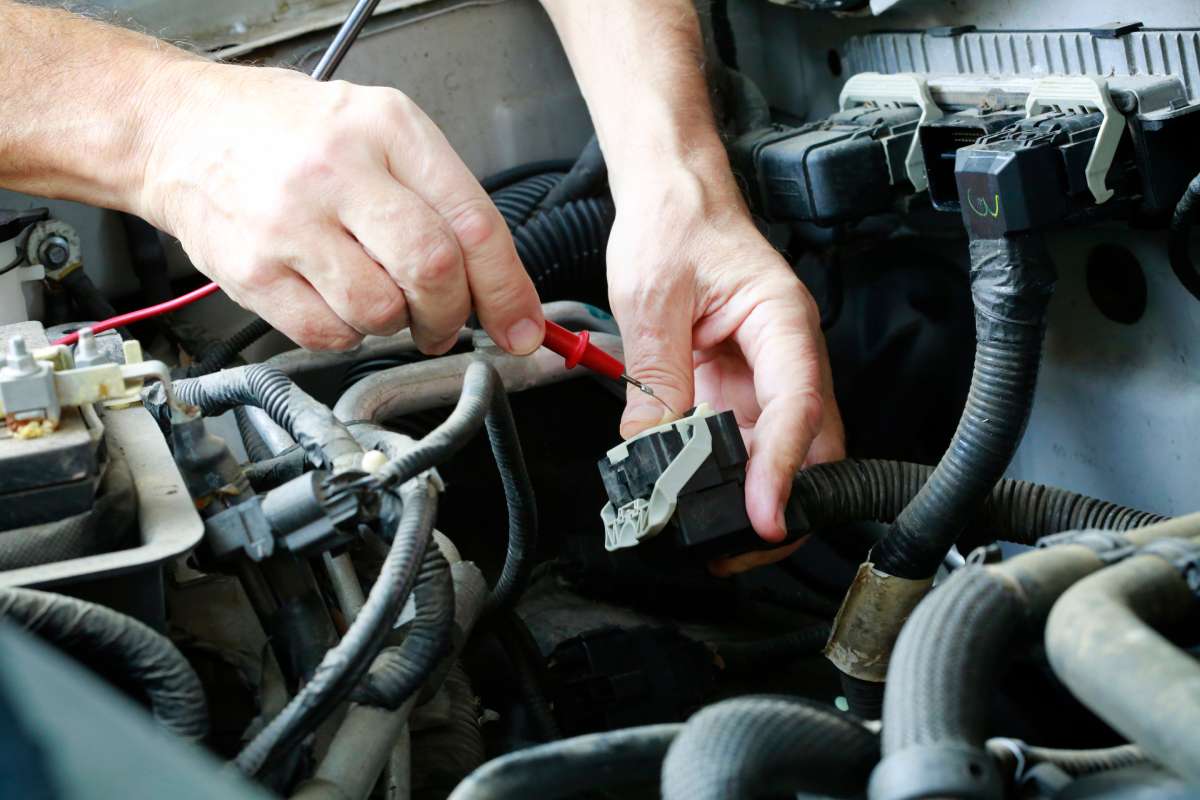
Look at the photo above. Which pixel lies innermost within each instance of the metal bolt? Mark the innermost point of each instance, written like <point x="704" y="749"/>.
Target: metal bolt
<point x="87" y="354"/>
<point x="54" y="252"/>
<point x="19" y="362"/>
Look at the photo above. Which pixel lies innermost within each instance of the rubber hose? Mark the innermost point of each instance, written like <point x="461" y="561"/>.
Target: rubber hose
<point x="518" y="497"/>
<point x="519" y="201"/>
<point x="946" y="659"/>
<point x="767" y="746"/>
<point x="1019" y="757"/>
<point x="444" y="755"/>
<point x="221" y="354"/>
<point x="1012" y="280"/>
<point x="119" y="647"/>
<point x="592" y="762"/>
<point x="264" y="476"/>
<point x="1179" y="238"/>
<point x="398" y="672"/>
<point x="1103" y="641"/>
<point x="835" y="494"/>
<point x="564" y="250"/>
<point x="777" y="651"/>
<point x="345" y="663"/>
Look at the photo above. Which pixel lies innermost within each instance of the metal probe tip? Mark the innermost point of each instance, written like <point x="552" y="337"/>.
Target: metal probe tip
<point x="646" y="389"/>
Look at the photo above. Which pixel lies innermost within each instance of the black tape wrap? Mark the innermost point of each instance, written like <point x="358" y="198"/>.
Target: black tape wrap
<point x="1012" y="280"/>
<point x="312" y="424"/>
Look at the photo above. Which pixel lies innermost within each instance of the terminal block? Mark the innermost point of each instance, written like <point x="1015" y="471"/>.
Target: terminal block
<point x="682" y="484"/>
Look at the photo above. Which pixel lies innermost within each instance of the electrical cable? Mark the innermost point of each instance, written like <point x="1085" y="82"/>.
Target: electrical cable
<point x="143" y="313"/>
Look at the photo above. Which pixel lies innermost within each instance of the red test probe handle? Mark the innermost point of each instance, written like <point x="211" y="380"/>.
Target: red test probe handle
<point x="576" y="349"/>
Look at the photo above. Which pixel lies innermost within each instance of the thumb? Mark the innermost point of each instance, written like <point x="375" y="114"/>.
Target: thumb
<point x="658" y="353"/>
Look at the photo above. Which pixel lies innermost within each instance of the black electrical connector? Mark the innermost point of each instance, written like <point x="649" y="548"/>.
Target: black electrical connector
<point x="670" y="494"/>
<point x="1033" y="174"/>
<point x="942" y="139"/>
<point x="842" y="168"/>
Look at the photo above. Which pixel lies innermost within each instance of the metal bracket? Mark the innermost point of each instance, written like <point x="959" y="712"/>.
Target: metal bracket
<point x="641" y="519"/>
<point x="1080" y="92"/>
<point x="900" y="89"/>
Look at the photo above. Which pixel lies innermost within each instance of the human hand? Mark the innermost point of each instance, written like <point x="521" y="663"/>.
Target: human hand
<point x="332" y="210"/>
<point x="709" y="311"/>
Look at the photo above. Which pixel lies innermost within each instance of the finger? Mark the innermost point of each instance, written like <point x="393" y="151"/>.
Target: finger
<point x="724" y="567"/>
<point x="782" y="347"/>
<point x="418" y="250"/>
<point x="295" y="309"/>
<point x="657" y="338"/>
<point x="501" y="291"/>
<point x="352" y="284"/>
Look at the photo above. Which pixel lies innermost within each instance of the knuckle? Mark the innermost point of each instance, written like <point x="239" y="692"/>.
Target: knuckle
<point x="474" y="222"/>
<point x="385" y="315"/>
<point x="436" y="261"/>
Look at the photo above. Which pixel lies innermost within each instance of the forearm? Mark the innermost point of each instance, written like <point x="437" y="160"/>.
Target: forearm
<point x="640" y="64"/>
<point x="80" y="105"/>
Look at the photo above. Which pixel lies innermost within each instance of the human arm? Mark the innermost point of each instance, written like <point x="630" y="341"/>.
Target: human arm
<point x="330" y="209"/>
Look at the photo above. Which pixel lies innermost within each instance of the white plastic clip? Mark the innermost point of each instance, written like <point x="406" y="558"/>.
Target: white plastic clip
<point x="641" y="519"/>
<point x="1079" y="92"/>
<point x="903" y="89"/>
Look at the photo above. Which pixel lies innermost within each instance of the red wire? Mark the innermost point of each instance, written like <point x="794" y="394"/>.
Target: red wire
<point x="144" y="313"/>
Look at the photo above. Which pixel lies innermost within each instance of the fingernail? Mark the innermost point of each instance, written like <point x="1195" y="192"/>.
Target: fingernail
<point x="524" y="336"/>
<point x="643" y="416"/>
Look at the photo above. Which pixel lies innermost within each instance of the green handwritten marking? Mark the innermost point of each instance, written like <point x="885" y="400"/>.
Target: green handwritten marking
<point x="982" y="209"/>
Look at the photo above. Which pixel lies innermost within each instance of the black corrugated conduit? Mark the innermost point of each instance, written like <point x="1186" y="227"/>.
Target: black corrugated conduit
<point x="832" y="495"/>
<point x="1179" y="248"/>
<point x="119" y="648"/>
<point x="768" y="746"/>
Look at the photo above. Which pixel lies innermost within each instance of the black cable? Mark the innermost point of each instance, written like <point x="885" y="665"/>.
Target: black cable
<point x="412" y="517"/>
<point x="119" y="647"/>
<point x="529" y="671"/>
<point x="398" y="672"/>
<point x="1012" y="280"/>
<point x="774" y="652"/>
<point x="1179" y="238"/>
<point x="221" y="354"/>
<point x="518" y="497"/>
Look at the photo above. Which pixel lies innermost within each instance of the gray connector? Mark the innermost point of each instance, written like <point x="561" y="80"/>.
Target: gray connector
<point x="27" y="389"/>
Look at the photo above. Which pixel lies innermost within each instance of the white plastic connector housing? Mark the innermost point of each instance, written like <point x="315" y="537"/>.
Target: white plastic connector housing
<point x="902" y="89"/>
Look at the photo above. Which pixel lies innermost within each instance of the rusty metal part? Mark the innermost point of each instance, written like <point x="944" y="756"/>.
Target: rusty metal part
<point x="866" y="626"/>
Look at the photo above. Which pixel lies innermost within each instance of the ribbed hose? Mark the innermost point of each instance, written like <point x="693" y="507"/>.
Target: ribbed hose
<point x="518" y="496"/>
<point x="221" y="354"/>
<point x="1020" y="757"/>
<point x="312" y="424"/>
<point x="118" y="647"/>
<point x="1012" y="280"/>
<point x="834" y="494"/>
<point x="443" y="756"/>
<point x="398" y="672"/>
<point x="951" y="646"/>
<point x="1179" y="239"/>
<point x="564" y="250"/>
<point x="586" y="177"/>
<point x="519" y="201"/>
<point x="345" y="663"/>
<point x="753" y="747"/>
<point x="564" y="768"/>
